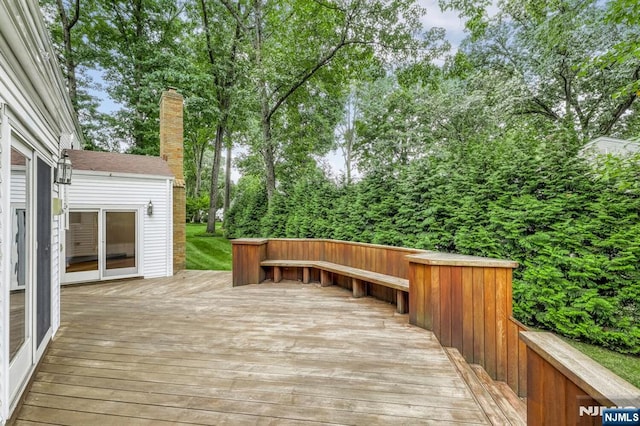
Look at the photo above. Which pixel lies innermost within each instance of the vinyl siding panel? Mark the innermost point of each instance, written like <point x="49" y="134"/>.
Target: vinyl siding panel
<point x="89" y="190"/>
<point x="18" y="186"/>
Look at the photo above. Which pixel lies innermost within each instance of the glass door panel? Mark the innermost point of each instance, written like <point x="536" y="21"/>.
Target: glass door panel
<point x="81" y="240"/>
<point x="82" y="247"/>
<point x="17" y="296"/>
<point x="21" y="279"/>
<point x="120" y="243"/>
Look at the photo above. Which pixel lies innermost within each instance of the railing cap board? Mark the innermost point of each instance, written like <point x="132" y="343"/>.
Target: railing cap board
<point x="597" y="381"/>
<point x="353" y="243"/>
<point x="250" y="241"/>
<point x="451" y="259"/>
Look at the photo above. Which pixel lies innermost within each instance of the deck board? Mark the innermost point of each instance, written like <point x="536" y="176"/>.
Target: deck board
<point x="192" y="349"/>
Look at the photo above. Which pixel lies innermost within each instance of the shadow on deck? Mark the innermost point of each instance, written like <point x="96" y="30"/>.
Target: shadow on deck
<point x="193" y="349"/>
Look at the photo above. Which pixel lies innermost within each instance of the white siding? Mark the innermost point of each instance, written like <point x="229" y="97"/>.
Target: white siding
<point x="98" y="190"/>
<point x="18" y="186"/>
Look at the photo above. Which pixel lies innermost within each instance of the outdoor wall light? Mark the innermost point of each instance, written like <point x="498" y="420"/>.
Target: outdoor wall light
<point x="63" y="169"/>
<point x="150" y="208"/>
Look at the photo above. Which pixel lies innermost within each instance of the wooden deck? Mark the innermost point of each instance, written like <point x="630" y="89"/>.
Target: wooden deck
<point x="193" y="350"/>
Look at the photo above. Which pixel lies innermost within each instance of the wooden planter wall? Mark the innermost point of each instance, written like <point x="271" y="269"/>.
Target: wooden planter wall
<point x="247" y="253"/>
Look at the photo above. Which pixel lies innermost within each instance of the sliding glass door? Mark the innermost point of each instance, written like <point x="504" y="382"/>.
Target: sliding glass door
<point x="101" y="243"/>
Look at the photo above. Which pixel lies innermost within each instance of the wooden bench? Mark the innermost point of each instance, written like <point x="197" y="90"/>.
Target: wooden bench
<point x="277" y="266"/>
<point x="358" y="277"/>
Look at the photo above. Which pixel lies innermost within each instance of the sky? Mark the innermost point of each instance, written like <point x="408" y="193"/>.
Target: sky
<point x="453" y="25"/>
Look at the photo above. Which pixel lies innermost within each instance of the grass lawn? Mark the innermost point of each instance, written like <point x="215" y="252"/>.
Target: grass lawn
<point x="206" y="251"/>
<point x="625" y="366"/>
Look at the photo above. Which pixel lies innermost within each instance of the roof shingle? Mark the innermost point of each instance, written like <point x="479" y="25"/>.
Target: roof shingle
<point x="116" y="162"/>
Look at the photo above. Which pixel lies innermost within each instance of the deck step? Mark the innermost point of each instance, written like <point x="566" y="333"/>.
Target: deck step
<point x="513" y="407"/>
<point x="489" y="394"/>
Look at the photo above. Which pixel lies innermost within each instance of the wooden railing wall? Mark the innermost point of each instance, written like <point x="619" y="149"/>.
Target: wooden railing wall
<point x="562" y="380"/>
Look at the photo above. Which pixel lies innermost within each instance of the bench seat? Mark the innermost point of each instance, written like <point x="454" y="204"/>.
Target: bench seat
<point x="364" y="275"/>
<point x="359" y="276"/>
<point x="290" y="263"/>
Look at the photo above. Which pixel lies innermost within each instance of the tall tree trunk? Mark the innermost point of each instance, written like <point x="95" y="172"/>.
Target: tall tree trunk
<point x="215" y="173"/>
<point x="223" y="84"/>
<point x="272" y="101"/>
<point x="227" y="177"/>
<point x="138" y="133"/>
<point x="269" y="158"/>
<point x="198" y="158"/>
<point x="268" y="151"/>
<point x="69" y="61"/>
<point x="348" y="154"/>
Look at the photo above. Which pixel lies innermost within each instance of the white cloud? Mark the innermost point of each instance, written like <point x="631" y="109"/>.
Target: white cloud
<point x="448" y="20"/>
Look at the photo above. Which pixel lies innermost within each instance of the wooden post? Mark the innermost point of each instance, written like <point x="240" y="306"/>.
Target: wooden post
<point x="401" y="301"/>
<point x="306" y="275"/>
<point x="247" y="255"/>
<point x="359" y="288"/>
<point x="277" y="274"/>
<point x="325" y="278"/>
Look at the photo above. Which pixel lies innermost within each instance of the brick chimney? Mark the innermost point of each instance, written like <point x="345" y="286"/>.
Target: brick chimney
<point x="172" y="151"/>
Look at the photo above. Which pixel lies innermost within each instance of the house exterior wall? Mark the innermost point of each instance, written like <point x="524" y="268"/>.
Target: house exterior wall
<point x="91" y="190"/>
<point x="35" y="110"/>
<point x="604" y="145"/>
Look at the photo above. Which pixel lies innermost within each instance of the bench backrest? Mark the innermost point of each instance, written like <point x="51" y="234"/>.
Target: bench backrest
<point x="371" y="257"/>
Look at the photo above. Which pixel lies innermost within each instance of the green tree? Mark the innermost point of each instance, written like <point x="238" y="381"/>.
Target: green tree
<point x="541" y="55"/>
<point x="293" y="43"/>
<point x="138" y="44"/>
